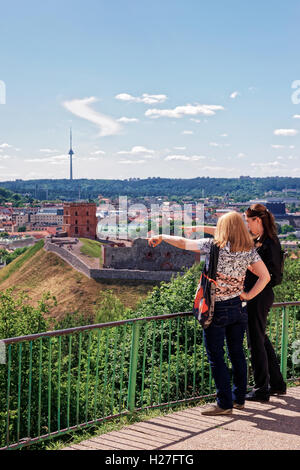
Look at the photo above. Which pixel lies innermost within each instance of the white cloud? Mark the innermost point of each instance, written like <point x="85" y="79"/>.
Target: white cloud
<point x="188" y="110"/>
<point x="179" y="148"/>
<point x="223" y="135"/>
<point x="126" y="119"/>
<point x="241" y="155"/>
<point x="286" y="132"/>
<point x="187" y="132"/>
<point x="296" y="116"/>
<point x="195" y="120"/>
<point x="234" y="94"/>
<point x="81" y="108"/>
<point x="136" y="150"/>
<point x="145" y="98"/>
<point x="55" y="160"/>
<point x="177" y="157"/>
<point x="48" y="150"/>
<point x="129" y="162"/>
<point x="98" y="152"/>
<point x="216" y="144"/>
<point x="268" y="165"/>
<point x="5" y="157"/>
<point x="218" y="168"/>
<point x="275" y="146"/>
<point x="185" y="157"/>
<point x="5" y="146"/>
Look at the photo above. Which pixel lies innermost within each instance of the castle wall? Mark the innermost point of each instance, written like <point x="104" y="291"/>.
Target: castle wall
<point x="126" y="274"/>
<point x="141" y="256"/>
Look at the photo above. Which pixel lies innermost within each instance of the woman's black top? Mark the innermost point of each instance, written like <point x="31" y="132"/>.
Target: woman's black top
<point x="269" y="252"/>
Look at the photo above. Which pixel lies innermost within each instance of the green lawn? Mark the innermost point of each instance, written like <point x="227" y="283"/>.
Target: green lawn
<point x="91" y="248"/>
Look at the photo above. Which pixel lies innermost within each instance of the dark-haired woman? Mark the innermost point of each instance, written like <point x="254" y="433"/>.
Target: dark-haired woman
<point x="268" y="379"/>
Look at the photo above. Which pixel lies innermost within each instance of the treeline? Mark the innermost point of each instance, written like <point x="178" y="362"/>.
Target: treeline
<point x="240" y="189"/>
<point x="17" y="199"/>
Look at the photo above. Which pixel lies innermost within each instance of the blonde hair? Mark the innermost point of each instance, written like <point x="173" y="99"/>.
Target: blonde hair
<point x="231" y="228"/>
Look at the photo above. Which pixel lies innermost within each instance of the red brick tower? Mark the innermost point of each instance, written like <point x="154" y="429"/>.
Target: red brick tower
<point x="80" y="219"/>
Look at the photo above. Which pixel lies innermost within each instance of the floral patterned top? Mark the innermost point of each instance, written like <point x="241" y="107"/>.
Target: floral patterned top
<point x="231" y="269"/>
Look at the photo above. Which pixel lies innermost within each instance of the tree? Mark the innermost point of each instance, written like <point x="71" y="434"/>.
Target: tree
<point x="287" y="228"/>
<point x="109" y="308"/>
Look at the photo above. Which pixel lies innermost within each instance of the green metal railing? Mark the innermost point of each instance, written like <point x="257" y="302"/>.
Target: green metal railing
<point x="56" y="382"/>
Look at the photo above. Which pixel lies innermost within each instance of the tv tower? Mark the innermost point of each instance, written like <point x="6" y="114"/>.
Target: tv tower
<point x="71" y="153"/>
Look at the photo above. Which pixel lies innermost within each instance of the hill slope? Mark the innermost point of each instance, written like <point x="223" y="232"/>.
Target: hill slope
<point x="38" y="271"/>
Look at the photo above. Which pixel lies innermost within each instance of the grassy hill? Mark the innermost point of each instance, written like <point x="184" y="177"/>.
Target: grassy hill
<point x="38" y="271"/>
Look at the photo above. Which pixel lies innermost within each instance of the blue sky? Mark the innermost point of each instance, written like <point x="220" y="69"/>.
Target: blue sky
<point x="167" y="88"/>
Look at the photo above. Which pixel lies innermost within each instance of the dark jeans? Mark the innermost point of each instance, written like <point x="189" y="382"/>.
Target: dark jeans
<point x="230" y="322"/>
<point x="264" y="362"/>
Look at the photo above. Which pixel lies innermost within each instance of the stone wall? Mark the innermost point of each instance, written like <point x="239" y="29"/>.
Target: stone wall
<point x="30" y="241"/>
<point x="126" y="274"/>
<point x="68" y="257"/>
<point x="134" y="274"/>
<point x="141" y="256"/>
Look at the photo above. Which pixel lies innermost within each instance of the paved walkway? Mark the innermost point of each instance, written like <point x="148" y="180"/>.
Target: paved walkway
<point x="271" y="426"/>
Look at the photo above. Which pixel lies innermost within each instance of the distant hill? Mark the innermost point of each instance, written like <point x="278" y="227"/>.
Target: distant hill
<point x="239" y="188"/>
<point x="38" y="271"/>
<point x="16" y="199"/>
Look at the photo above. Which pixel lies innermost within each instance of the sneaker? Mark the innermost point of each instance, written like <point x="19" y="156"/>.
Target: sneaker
<point x="215" y="410"/>
<point x="238" y="406"/>
<point x="254" y="396"/>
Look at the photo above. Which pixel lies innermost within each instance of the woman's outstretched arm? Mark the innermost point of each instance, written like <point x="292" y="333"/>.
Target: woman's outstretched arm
<point x="179" y="242"/>
<point x="200" y="228"/>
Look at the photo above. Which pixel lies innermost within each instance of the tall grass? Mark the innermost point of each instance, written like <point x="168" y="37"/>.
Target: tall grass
<point x="18" y="262"/>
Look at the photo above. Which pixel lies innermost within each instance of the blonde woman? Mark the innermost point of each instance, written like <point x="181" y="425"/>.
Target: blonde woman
<point x="236" y="254"/>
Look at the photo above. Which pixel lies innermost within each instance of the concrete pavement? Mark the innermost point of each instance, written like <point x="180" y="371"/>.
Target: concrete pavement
<point x="260" y="426"/>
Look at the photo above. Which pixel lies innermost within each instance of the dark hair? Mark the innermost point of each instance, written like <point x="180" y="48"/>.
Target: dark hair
<point x="267" y="218"/>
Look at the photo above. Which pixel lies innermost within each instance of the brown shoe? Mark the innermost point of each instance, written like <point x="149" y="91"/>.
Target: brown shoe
<point x="238" y="406"/>
<point x="215" y="410"/>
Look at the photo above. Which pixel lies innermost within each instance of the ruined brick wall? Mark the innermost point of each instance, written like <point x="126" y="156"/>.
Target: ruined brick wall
<point x="141" y="256"/>
<point x="126" y="274"/>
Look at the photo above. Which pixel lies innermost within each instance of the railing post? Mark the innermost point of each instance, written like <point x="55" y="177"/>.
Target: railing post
<point x="284" y="342"/>
<point x="133" y="365"/>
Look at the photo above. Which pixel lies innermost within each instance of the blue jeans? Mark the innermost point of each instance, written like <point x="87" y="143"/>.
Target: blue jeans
<point x="230" y="322"/>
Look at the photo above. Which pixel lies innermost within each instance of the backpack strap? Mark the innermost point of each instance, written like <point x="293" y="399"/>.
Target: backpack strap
<point x="213" y="261"/>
